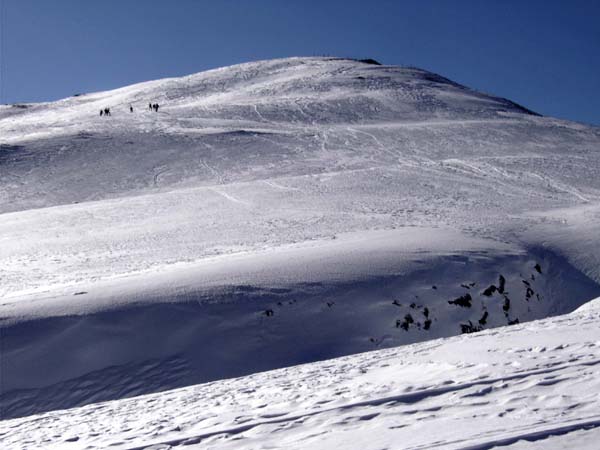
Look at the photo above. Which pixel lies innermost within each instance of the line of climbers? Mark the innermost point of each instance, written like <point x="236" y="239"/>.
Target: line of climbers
<point x="151" y="106"/>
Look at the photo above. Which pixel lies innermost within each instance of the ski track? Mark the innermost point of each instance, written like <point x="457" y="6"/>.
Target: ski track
<point x="276" y="185"/>
<point x="228" y="197"/>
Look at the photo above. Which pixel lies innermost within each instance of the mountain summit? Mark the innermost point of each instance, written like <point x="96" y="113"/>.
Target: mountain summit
<point x="283" y="104"/>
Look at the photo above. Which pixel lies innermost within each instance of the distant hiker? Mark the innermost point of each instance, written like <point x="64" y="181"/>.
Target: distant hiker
<point x="155" y="106"/>
<point x="101" y="112"/>
<point x="130" y="108"/>
<point x="150" y="106"/>
<point x="107" y="111"/>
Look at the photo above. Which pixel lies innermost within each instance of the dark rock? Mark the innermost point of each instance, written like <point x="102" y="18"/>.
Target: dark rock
<point x="469" y="328"/>
<point x="463" y="301"/>
<point x="483" y="319"/>
<point x="529" y="293"/>
<point x="402" y="324"/>
<point x="501" y="284"/>
<point x="490" y="290"/>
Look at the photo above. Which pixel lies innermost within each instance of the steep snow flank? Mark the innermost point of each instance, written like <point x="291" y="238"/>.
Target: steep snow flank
<point x="276" y="213"/>
<point x="528" y="386"/>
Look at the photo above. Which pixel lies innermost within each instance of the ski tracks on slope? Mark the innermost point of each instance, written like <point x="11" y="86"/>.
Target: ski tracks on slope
<point x="228" y="196"/>
<point x="281" y="187"/>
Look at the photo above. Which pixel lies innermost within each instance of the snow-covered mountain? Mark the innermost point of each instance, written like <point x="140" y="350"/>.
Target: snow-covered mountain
<point x="277" y="213"/>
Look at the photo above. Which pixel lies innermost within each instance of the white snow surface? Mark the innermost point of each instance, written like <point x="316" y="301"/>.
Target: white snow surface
<point x="277" y="213"/>
<point x="533" y="385"/>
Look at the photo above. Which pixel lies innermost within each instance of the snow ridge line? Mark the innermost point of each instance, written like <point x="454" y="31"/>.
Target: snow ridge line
<point x="409" y="398"/>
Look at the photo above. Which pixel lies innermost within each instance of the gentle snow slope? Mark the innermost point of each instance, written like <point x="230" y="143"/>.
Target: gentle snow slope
<point x="275" y="213"/>
<point x="528" y="386"/>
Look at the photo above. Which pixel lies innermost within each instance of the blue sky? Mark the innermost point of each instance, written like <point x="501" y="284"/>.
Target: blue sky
<point x="544" y="55"/>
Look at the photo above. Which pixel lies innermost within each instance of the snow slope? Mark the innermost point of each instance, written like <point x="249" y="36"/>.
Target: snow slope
<point x="277" y="213"/>
<point x="532" y="385"/>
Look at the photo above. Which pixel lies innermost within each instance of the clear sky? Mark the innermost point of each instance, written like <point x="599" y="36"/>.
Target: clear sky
<point x="543" y="54"/>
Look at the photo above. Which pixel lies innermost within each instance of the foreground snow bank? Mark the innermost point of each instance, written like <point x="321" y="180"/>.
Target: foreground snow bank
<point x="525" y="386"/>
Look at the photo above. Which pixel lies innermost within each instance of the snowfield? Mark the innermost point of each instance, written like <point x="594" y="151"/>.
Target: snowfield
<point x="285" y="212"/>
<point x="533" y="385"/>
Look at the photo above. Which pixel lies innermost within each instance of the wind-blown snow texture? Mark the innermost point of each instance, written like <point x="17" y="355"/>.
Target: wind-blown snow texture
<point x="277" y="213"/>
